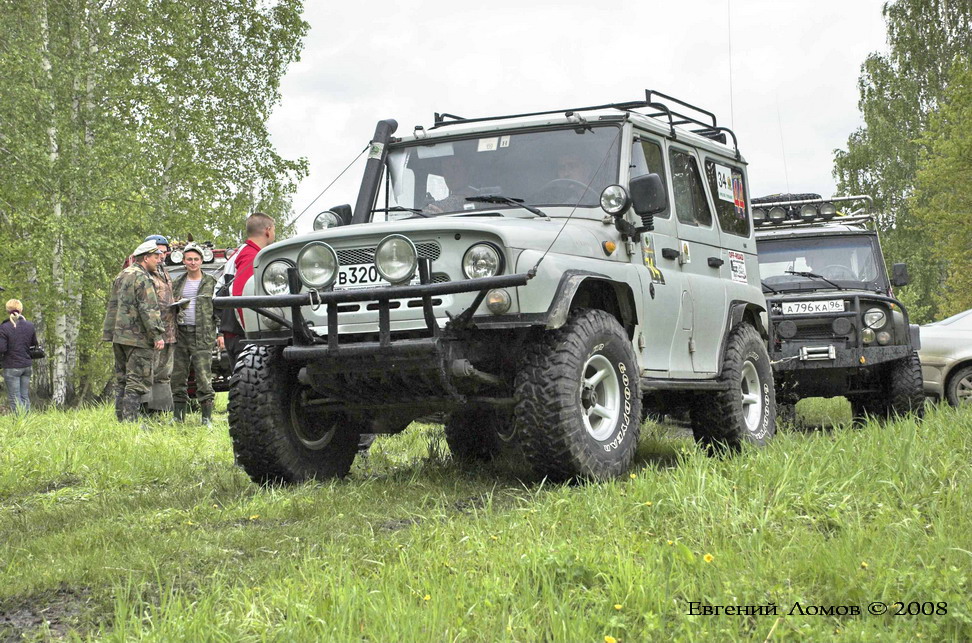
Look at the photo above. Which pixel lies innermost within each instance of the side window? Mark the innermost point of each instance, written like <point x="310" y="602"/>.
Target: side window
<point x="729" y="195"/>
<point x="647" y="158"/>
<point x="691" y="206"/>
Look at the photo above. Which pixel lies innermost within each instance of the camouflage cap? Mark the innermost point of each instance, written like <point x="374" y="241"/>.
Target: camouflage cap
<point x="146" y="248"/>
<point x="192" y="247"/>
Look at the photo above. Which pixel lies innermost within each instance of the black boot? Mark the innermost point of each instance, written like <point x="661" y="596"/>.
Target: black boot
<point x="119" y="402"/>
<point x="179" y="412"/>
<point x="131" y="405"/>
<point x="206" y="410"/>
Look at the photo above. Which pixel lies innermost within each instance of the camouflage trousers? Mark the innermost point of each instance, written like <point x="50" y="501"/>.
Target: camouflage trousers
<point x="159" y="398"/>
<point x="133" y="368"/>
<point x="192" y="352"/>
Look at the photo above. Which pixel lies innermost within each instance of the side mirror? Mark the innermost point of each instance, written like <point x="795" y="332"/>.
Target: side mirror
<point x="899" y="275"/>
<point x="344" y="212"/>
<point x="648" y="197"/>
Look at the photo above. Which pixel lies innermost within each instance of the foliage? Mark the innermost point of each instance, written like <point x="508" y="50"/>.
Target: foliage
<point x="899" y="91"/>
<point x="122" y="119"/>
<point x="111" y="532"/>
<point x="944" y="190"/>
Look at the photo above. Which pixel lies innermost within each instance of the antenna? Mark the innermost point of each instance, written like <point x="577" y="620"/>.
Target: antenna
<point x="732" y="113"/>
<point x="779" y="123"/>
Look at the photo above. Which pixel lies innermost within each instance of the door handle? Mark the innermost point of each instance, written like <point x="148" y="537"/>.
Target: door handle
<point x="715" y="262"/>
<point x="670" y="253"/>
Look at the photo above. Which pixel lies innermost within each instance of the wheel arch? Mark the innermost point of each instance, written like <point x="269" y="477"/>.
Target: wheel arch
<point x="739" y="312"/>
<point x="582" y="289"/>
<point x="948" y="375"/>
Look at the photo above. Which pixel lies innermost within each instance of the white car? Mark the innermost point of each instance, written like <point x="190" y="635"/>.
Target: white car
<point x="946" y="358"/>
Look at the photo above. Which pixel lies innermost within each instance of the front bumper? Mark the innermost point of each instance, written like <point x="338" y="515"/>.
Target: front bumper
<point x="302" y="336"/>
<point x="819" y="355"/>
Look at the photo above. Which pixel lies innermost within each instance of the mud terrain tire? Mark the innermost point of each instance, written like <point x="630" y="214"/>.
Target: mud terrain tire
<point x="746" y="412"/>
<point x="578" y="400"/>
<point x="905" y="391"/>
<point x="276" y="437"/>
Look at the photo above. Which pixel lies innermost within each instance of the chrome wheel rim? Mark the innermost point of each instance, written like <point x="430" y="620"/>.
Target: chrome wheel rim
<point x="600" y="395"/>
<point x="752" y="401"/>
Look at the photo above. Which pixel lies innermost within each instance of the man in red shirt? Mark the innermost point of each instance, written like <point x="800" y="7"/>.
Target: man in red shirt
<point x="260" y="233"/>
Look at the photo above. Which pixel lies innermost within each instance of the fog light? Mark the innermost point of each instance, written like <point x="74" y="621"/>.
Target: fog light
<point x="884" y="337"/>
<point x="498" y="301"/>
<point x="867" y="335"/>
<point x="786" y="329"/>
<point x="842" y="326"/>
<point x="272" y="324"/>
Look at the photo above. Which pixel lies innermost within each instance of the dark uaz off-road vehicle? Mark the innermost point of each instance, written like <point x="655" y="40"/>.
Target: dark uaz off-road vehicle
<point x="835" y="327"/>
<point x="535" y="276"/>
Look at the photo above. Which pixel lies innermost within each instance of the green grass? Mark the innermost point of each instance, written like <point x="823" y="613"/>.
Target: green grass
<point x="111" y="532"/>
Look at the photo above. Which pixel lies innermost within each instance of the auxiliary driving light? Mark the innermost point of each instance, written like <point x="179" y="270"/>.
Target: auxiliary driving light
<point x="759" y="216"/>
<point x="614" y="199"/>
<point x="808" y="212"/>
<point x="867" y="335"/>
<point x="317" y="265"/>
<point x="884" y="338"/>
<point x="396" y="258"/>
<point x="828" y="211"/>
<point x="777" y="214"/>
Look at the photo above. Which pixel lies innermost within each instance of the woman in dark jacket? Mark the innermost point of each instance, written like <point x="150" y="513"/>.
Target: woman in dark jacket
<point x="16" y="336"/>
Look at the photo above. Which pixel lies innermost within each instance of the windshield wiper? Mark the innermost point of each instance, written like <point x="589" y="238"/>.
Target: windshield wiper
<point x="769" y="287"/>
<point x="806" y="273"/>
<point x="401" y="208"/>
<point x="499" y="198"/>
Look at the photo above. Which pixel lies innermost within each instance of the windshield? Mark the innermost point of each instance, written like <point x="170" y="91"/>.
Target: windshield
<point x="565" y="167"/>
<point x="850" y="262"/>
<point x="962" y="320"/>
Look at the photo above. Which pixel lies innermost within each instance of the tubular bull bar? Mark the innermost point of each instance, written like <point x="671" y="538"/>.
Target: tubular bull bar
<point x="308" y="345"/>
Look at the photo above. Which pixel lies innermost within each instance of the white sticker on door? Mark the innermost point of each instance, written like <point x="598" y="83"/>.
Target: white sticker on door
<point x="737" y="266"/>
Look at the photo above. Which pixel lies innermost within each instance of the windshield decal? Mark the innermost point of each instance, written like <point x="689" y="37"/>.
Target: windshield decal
<point x="487" y="144"/>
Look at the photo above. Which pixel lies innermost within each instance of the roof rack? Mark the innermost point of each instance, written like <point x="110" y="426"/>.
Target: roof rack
<point x="709" y="127"/>
<point x="793" y="216"/>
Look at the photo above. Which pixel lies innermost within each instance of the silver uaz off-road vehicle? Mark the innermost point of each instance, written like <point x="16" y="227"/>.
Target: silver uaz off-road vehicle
<point x="835" y="326"/>
<point x="535" y="277"/>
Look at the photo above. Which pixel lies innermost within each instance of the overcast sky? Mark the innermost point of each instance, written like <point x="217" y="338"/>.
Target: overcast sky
<point x="794" y="70"/>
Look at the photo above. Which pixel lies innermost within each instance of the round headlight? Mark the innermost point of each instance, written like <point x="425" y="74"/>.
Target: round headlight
<point x="614" y="199"/>
<point x="808" y="212"/>
<point x="396" y="258"/>
<point x="481" y="260"/>
<point x="176" y="256"/>
<point x="759" y="216"/>
<point x="875" y="318"/>
<point x="207" y="254"/>
<point x="325" y="220"/>
<point x="777" y="214"/>
<point x="317" y="265"/>
<point x="275" y="278"/>
<point x="827" y="211"/>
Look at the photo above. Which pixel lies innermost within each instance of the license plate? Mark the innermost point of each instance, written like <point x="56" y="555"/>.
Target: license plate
<point x="362" y="276"/>
<point x="810" y="307"/>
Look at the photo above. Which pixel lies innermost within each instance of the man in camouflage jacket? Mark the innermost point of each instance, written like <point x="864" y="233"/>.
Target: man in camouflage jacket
<point x="160" y="397"/>
<point x="134" y="327"/>
<point x="198" y="332"/>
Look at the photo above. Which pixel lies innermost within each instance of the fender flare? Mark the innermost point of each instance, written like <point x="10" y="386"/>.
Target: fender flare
<point x="570" y="284"/>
